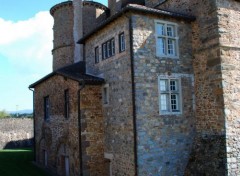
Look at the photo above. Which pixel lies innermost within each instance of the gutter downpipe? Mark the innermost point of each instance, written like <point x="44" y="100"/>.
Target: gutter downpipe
<point x="133" y="94"/>
<point x="34" y="130"/>
<point x="81" y="86"/>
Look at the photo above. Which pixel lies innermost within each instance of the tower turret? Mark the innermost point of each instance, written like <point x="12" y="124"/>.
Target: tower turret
<point x="63" y="42"/>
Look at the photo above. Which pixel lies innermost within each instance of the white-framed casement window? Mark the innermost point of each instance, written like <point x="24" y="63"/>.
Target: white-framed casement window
<point x="67" y="166"/>
<point x="169" y="95"/>
<point x="105" y="94"/>
<point x="112" y="47"/>
<point x="166" y="39"/>
<point x="108" y="163"/>
<point x="108" y="49"/>
<point x="121" y="39"/>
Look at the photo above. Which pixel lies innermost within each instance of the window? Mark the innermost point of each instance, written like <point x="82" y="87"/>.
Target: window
<point x="169" y="95"/>
<point x="104" y="51"/>
<point x="67" y="166"/>
<point x="66" y="104"/>
<point x="166" y="39"/>
<point x="45" y="158"/>
<point x="108" y="163"/>
<point x="97" y="54"/>
<point x="108" y="49"/>
<point x="106" y="95"/>
<point x="46" y="108"/>
<point x="113" y="47"/>
<point x="121" y="42"/>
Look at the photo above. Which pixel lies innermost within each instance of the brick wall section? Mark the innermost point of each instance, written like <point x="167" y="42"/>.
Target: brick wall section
<point x="229" y="17"/>
<point x="164" y="141"/>
<point x="118" y="119"/>
<point x="15" y="133"/>
<point x="58" y="136"/>
<point x="63" y="43"/>
<point x="92" y="131"/>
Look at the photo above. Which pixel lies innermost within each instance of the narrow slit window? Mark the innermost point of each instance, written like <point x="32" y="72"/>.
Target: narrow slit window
<point x="106" y="95"/>
<point x="96" y="54"/>
<point x="46" y="108"/>
<point x="66" y="104"/>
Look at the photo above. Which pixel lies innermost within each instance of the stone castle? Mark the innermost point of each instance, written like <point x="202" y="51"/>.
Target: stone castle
<point x="141" y="88"/>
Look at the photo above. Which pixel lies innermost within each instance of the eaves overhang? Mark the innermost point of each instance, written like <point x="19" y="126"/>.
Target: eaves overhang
<point x="136" y="8"/>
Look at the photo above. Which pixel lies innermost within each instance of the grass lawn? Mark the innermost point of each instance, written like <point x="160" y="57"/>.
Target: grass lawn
<point x="18" y="162"/>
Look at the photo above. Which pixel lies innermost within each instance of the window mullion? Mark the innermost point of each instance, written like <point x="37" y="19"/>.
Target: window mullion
<point x="170" y="93"/>
<point x="166" y="39"/>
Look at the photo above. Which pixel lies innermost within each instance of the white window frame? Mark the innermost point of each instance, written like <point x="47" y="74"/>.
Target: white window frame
<point x="113" y="47"/>
<point x="167" y="38"/>
<point x="104" y="51"/>
<point x="67" y="166"/>
<point x="105" y="95"/>
<point x="109" y="48"/>
<point x="169" y="110"/>
<point x="122" y="46"/>
<point x="110" y="157"/>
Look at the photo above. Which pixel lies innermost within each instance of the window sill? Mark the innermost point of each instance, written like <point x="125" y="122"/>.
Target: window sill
<point x="170" y="113"/>
<point x="167" y="57"/>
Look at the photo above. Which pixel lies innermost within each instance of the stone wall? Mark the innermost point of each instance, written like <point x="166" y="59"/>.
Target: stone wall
<point x="92" y="131"/>
<point x="57" y="136"/>
<point x="229" y="32"/>
<point x="118" y="115"/>
<point x="16" y="133"/>
<point x="164" y="141"/>
<point x="209" y="150"/>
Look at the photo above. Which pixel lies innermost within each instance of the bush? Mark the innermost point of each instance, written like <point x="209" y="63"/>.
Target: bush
<point x="4" y="114"/>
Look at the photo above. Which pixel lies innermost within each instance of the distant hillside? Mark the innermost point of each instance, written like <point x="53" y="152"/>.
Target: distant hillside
<point x="24" y="111"/>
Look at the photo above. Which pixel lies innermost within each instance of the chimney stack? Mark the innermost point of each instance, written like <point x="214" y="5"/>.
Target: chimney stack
<point x="77" y="29"/>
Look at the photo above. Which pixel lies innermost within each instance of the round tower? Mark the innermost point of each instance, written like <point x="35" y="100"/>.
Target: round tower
<point x="63" y="42"/>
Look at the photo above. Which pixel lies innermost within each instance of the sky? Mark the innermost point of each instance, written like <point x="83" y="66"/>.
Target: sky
<point x="25" y="49"/>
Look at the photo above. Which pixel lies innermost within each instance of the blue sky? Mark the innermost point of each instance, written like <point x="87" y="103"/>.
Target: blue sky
<point x="25" y="49"/>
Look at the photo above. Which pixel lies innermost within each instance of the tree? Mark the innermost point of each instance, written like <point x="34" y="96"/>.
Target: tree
<point x="4" y="114"/>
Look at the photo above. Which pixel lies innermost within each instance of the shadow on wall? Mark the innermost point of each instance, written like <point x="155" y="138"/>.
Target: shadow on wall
<point x="25" y="143"/>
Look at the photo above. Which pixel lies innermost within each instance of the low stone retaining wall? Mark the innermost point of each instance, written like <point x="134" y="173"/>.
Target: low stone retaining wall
<point x="16" y="133"/>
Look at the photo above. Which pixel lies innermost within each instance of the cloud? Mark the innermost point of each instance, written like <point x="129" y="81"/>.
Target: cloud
<point x="27" y="44"/>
